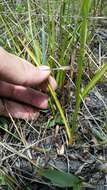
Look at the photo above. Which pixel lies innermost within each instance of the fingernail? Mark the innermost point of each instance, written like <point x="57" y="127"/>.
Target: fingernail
<point x="44" y="68"/>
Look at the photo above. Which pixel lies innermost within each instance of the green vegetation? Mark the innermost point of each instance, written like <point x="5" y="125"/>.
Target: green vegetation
<point x="57" y="34"/>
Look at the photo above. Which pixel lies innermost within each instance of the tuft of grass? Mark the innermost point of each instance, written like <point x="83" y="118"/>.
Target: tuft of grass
<point x="80" y="95"/>
<point x="84" y="12"/>
<point x="36" y="55"/>
<point x="61" y="74"/>
<point x="67" y="39"/>
<point x="6" y="179"/>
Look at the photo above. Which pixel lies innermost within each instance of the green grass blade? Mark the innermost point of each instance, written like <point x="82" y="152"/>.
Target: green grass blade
<point x="10" y="133"/>
<point x="35" y="42"/>
<point x="99" y="74"/>
<point x="10" y="33"/>
<point x="30" y="20"/>
<point x="53" y="36"/>
<point x="53" y="42"/>
<point x="61" y="74"/>
<point x="67" y="129"/>
<point x="43" y="45"/>
<point x="49" y="27"/>
<point x="29" y="52"/>
<point x="14" y="16"/>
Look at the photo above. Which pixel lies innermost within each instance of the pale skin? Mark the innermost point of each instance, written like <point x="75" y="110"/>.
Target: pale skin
<point x="23" y="87"/>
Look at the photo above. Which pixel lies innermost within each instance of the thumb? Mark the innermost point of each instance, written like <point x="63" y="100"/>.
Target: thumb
<point x="18" y="71"/>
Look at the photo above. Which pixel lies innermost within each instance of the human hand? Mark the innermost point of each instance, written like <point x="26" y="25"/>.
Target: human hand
<point x="22" y="87"/>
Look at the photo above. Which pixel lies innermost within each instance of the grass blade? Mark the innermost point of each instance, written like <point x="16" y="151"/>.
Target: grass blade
<point x="61" y="113"/>
<point x="10" y="33"/>
<point x="43" y="45"/>
<point x="99" y="74"/>
<point x="61" y="75"/>
<point x="35" y="42"/>
<point x="29" y="52"/>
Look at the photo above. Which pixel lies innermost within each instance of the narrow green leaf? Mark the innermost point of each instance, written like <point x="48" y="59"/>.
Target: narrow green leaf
<point x="35" y="42"/>
<point x="53" y="42"/>
<point x="10" y="33"/>
<point x="61" y="74"/>
<point x="49" y="26"/>
<point x="99" y="74"/>
<point x="7" y="131"/>
<point x="85" y="7"/>
<point x="60" y="178"/>
<point x="29" y="52"/>
<point x="43" y="45"/>
<point x="68" y="131"/>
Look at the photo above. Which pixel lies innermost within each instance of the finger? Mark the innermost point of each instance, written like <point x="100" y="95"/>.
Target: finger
<point x="19" y="71"/>
<point x="23" y="94"/>
<point x="17" y="110"/>
<point x="44" y="85"/>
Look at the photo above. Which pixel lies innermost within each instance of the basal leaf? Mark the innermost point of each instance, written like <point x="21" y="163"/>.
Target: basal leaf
<point x="60" y="178"/>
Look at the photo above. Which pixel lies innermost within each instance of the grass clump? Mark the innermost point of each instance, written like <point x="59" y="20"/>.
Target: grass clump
<point x="57" y="34"/>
